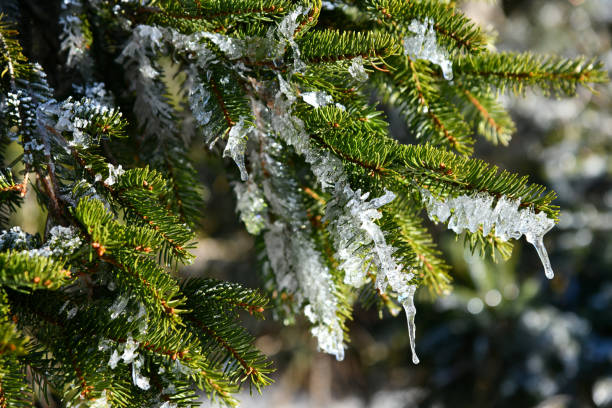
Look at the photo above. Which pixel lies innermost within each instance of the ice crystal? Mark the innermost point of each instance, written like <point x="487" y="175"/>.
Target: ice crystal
<point x="359" y="242"/>
<point x="317" y="99"/>
<point x="151" y="106"/>
<point x="198" y="101"/>
<point x="505" y="219"/>
<point x="423" y="45"/>
<point x="357" y="71"/>
<point x="114" y="359"/>
<point x="233" y="48"/>
<point x="118" y="307"/>
<point x="236" y="146"/>
<point x="251" y="205"/>
<point x="113" y="174"/>
<point x="139" y="380"/>
<point x="129" y="352"/>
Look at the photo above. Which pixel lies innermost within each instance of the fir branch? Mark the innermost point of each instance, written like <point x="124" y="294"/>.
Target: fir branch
<point x="514" y="72"/>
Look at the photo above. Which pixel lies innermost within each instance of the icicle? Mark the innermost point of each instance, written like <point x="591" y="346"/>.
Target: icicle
<point x="407" y="300"/>
<point x="506" y="219"/>
<point x="423" y="45"/>
<point x="236" y="146"/>
<point x="538" y="243"/>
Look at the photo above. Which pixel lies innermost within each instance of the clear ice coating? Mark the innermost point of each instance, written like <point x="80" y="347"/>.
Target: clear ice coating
<point x="297" y="264"/>
<point x="357" y="70"/>
<point x="359" y="242"/>
<point x="423" y="45"/>
<point x="505" y="220"/>
<point x="236" y="146"/>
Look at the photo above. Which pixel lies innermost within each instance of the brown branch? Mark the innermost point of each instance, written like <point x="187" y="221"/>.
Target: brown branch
<point x="483" y="111"/>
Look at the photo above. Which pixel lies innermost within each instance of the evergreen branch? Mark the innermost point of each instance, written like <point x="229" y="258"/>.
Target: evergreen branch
<point x="15" y="390"/>
<point x="411" y="89"/>
<point x="513" y="72"/>
<point x="416" y="166"/>
<point x="11" y="194"/>
<point x="483" y="111"/>
<point x="152" y="284"/>
<point x="210" y="300"/>
<point x="332" y="45"/>
<point x="215" y="10"/>
<point x="427" y="262"/>
<point x="25" y="271"/>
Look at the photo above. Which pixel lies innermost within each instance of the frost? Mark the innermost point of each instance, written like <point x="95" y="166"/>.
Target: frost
<point x="360" y="245"/>
<point x="139" y="380"/>
<point x="63" y="241"/>
<point x="357" y="71"/>
<point x="198" y="100"/>
<point x="16" y="239"/>
<point x="317" y="99"/>
<point x="285" y="31"/>
<point x="505" y="220"/>
<point x="251" y="205"/>
<point x="423" y="45"/>
<point x="73" y="39"/>
<point x="236" y="146"/>
<point x="359" y="242"/>
<point x="113" y="174"/>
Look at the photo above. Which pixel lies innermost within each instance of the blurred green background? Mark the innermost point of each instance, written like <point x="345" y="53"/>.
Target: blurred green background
<point x="505" y="336"/>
